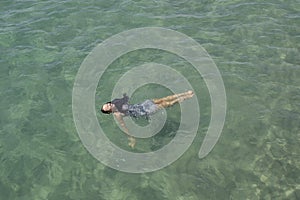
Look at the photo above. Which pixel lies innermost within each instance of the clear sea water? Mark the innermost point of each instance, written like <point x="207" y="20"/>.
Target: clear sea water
<point x="255" y="45"/>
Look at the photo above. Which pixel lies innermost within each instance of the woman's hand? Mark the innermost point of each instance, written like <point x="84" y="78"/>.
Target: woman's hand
<point x="131" y="142"/>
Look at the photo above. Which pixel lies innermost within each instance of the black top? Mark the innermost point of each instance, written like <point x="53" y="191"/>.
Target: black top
<point x="121" y="104"/>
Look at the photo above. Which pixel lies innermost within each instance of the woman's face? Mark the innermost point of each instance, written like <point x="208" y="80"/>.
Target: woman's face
<point x="107" y="107"/>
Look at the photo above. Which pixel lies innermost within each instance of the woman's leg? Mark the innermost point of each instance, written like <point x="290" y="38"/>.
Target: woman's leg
<point x="171" y="100"/>
<point x="173" y="97"/>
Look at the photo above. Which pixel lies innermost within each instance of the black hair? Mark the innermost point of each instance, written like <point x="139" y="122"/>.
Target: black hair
<point x="106" y="111"/>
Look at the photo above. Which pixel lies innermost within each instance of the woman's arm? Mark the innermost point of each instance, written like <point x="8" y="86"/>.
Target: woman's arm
<point x="119" y="117"/>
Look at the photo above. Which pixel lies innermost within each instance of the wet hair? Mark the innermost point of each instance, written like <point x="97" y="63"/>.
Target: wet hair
<point x="106" y="111"/>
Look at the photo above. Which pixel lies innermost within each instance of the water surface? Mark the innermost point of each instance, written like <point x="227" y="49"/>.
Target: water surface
<point x="255" y="45"/>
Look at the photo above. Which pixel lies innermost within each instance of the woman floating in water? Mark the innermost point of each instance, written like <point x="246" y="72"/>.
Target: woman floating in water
<point x="121" y="108"/>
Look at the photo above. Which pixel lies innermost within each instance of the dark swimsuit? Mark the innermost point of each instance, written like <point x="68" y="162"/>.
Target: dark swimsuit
<point x="146" y="108"/>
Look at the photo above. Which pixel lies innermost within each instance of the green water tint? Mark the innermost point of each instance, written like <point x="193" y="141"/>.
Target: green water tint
<point x="255" y="46"/>
<point x="149" y="91"/>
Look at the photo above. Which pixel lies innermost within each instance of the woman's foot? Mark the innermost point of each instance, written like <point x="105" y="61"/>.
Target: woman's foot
<point x="190" y="92"/>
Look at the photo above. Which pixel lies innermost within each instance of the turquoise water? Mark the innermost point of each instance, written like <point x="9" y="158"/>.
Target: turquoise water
<point x="255" y="46"/>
